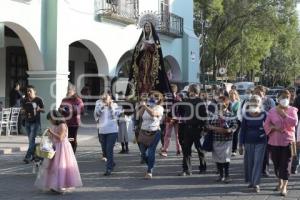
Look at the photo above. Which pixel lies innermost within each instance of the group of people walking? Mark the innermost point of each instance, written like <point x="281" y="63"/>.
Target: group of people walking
<point x="255" y="127"/>
<point x="218" y="122"/>
<point x="61" y="172"/>
<point x="262" y="128"/>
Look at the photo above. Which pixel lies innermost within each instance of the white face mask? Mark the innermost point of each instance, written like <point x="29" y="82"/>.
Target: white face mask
<point x="284" y="102"/>
<point x="254" y="109"/>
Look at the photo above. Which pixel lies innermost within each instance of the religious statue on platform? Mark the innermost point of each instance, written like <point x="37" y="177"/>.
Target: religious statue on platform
<point x="147" y="70"/>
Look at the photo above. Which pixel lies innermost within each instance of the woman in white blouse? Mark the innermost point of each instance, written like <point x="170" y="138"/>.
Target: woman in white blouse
<point x="151" y="113"/>
<point x="106" y="115"/>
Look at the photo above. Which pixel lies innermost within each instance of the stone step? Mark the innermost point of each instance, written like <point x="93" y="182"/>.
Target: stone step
<point x="9" y="150"/>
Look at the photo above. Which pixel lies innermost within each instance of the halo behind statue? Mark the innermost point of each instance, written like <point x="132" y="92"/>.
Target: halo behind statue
<point x="148" y="16"/>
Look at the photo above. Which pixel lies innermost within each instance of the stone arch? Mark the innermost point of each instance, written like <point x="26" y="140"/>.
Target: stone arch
<point x="124" y="61"/>
<point x="172" y="66"/>
<point x="100" y="58"/>
<point x="33" y="53"/>
<point x="88" y="66"/>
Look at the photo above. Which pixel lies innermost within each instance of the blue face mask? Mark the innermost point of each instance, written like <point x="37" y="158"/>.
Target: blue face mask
<point x="152" y="101"/>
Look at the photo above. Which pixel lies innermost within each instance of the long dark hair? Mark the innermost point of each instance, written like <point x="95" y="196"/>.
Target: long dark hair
<point x="56" y="117"/>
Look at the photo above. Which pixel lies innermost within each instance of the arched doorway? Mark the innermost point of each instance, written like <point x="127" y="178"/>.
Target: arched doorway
<point x="124" y="63"/>
<point x="19" y="53"/>
<point x="16" y="62"/>
<point x="88" y="69"/>
<point x="119" y="83"/>
<point x="172" y="69"/>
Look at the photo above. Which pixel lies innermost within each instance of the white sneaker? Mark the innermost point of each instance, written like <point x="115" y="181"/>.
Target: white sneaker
<point x="104" y="159"/>
<point x="148" y="176"/>
<point x="163" y="153"/>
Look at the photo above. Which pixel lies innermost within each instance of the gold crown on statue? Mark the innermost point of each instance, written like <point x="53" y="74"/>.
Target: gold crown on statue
<point x="148" y="16"/>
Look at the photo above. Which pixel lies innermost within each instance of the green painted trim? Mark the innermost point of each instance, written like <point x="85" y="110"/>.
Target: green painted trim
<point x="185" y="58"/>
<point x="49" y="33"/>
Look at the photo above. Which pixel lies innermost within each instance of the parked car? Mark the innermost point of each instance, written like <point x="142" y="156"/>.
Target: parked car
<point x="273" y="93"/>
<point x="242" y="87"/>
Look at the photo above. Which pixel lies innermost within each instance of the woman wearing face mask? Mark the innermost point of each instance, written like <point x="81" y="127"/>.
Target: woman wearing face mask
<point x="151" y="114"/>
<point x="253" y="141"/>
<point x="106" y="114"/>
<point x="223" y="125"/>
<point x="280" y="127"/>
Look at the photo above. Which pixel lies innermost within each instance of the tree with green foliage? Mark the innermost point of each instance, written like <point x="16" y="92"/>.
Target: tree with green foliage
<point x="240" y="34"/>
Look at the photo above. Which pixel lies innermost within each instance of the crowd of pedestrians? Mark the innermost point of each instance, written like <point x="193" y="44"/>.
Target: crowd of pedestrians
<point x="256" y="127"/>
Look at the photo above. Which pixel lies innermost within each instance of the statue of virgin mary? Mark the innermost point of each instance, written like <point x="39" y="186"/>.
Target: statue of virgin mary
<point x="147" y="70"/>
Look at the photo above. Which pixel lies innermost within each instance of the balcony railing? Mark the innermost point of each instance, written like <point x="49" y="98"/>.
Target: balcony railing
<point x="171" y="25"/>
<point x="125" y="11"/>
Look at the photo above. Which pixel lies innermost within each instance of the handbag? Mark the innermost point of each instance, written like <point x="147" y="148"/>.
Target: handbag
<point x="45" y="148"/>
<point x="146" y="137"/>
<point x="208" y="142"/>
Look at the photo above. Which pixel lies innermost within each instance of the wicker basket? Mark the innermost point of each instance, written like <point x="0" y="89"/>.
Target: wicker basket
<point x="43" y="154"/>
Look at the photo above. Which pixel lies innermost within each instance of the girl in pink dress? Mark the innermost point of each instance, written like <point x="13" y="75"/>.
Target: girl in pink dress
<point x="61" y="172"/>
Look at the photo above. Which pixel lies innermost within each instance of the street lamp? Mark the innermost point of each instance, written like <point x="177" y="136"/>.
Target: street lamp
<point x="204" y="24"/>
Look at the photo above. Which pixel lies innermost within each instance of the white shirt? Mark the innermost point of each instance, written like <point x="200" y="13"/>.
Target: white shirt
<point x="106" y="117"/>
<point x="152" y="123"/>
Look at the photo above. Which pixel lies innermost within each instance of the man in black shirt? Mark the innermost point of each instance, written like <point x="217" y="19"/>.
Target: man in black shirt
<point x="32" y="106"/>
<point x="194" y="115"/>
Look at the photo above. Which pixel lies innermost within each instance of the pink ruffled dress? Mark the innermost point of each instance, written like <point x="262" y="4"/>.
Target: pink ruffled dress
<point x="60" y="172"/>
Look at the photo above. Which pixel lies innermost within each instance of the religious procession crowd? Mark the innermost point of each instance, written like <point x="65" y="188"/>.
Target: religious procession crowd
<point x="214" y="121"/>
<point x="217" y="122"/>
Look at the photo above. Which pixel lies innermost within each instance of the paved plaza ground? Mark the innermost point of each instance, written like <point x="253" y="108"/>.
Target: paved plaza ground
<point x="17" y="179"/>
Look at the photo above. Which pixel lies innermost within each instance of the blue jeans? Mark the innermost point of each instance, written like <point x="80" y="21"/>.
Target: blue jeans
<point x="253" y="162"/>
<point x="148" y="153"/>
<point x="102" y="149"/>
<point x="32" y="129"/>
<point x="108" y="142"/>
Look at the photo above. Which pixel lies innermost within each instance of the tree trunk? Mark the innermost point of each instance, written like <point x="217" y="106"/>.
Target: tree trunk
<point x="214" y="66"/>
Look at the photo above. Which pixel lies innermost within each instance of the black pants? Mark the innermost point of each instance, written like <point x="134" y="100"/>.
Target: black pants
<point x="192" y="136"/>
<point x="223" y="168"/>
<point x="282" y="160"/>
<point x="102" y="147"/>
<point x="73" y="135"/>
<point x="180" y="134"/>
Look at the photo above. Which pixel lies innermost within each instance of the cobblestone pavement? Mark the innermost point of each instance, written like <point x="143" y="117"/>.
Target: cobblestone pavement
<point x="16" y="179"/>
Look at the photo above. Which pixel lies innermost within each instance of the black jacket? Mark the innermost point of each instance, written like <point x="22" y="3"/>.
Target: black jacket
<point x="193" y="112"/>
